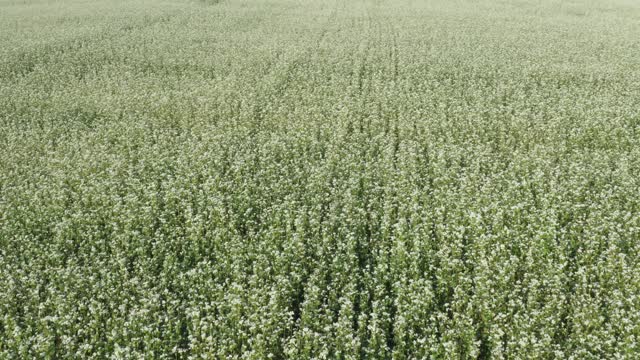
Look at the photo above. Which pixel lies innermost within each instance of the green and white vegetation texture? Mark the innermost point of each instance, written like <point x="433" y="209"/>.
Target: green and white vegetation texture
<point x="319" y="179"/>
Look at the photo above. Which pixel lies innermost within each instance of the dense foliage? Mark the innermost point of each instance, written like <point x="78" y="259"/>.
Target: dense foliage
<point x="368" y="179"/>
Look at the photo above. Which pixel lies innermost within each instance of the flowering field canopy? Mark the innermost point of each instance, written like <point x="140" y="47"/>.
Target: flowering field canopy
<point x="319" y="179"/>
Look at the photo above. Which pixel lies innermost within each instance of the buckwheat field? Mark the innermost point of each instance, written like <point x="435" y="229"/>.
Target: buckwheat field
<point x="326" y="179"/>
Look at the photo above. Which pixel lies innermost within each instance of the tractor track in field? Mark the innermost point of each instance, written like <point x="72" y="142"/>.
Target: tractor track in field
<point x="363" y="73"/>
<point x="284" y="74"/>
<point x="394" y="51"/>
